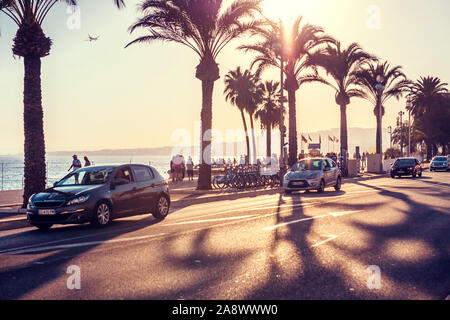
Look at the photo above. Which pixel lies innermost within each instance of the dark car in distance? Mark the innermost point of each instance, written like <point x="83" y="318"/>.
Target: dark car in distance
<point x="100" y="194"/>
<point x="406" y="167"/>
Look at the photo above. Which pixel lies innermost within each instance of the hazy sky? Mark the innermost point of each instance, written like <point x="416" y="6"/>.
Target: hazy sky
<point x="100" y="95"/>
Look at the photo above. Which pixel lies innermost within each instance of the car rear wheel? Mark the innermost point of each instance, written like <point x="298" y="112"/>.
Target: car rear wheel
<point x="392" y="176"/>
<point x="162" y="207"/>
<point x="338" y="185"/>
<point x="321" y="186"/>
<point x="44" y="226"/>
<point x="102" y="215"/>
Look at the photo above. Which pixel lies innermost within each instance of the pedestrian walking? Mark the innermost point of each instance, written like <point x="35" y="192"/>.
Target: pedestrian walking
<point x="190" y="169"/>
<point x="76" y="164"/>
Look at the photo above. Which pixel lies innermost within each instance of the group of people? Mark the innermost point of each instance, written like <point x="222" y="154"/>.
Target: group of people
<point x="179" y="167"/>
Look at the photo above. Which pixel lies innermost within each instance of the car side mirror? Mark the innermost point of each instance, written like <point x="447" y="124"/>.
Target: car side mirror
<point x="55" y="183"/>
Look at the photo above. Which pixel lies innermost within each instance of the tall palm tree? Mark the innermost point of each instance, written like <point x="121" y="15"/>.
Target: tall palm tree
<point x="381" y="83"/>
<point x="205" y="27"/>
<point x="238" y="91"/>
<point x="269" y="111"/>
<point x="32" y="44"/>
<point x="341" y="65"/>
<point x="427" y="95"/>
<point x="277" y="46"/>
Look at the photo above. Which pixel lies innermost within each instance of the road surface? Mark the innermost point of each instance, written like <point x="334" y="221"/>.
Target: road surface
<point x="375" y="239"/>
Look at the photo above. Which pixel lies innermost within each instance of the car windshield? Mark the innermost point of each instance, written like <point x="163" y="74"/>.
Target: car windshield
<point x="307" y="164"/>
<point x="86" y="176"/>
<point x="409" y="162"/>
<point x="440" y="159"/>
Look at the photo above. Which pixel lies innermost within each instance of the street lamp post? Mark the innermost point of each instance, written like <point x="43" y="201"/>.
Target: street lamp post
<point x="390" y="139"/>
<point x="380" y="88"/>
<point x="409" y="107"/>
<point x="401" y="113"/>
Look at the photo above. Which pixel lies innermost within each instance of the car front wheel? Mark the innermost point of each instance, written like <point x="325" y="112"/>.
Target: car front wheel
<point x="102" y="215"/>
<point x="162" y="207"/>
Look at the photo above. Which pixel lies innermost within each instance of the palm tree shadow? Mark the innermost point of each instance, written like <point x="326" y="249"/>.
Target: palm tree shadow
<point x="48" y="267"/>
<point x="311" y="272"/>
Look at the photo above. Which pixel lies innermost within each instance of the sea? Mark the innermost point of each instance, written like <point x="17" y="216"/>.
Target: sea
<point x="11" y="167"/>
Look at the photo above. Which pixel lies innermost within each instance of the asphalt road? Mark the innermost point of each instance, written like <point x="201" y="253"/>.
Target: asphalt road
<point x="301" y="246"/>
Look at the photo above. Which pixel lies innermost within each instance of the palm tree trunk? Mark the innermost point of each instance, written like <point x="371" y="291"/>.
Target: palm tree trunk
<point x="34" y="147"/>
<point x="246" y="136"/>
<point x="253" y="140"/>
<point x="344" y="138"/>
<point x="269" y="141"/>
<point x="204" y="176"/>
<point x="379" y="147"/>
<point x="293" y="148"/>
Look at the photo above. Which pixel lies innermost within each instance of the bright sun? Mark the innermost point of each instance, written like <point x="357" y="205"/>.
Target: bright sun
<point x="286" y="9"/>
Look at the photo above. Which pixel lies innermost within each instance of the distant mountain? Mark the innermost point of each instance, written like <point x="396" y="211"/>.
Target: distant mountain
<point x="362" y="137"/>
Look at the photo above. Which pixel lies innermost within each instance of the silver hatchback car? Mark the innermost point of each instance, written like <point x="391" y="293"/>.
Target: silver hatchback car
<point x="313" y="174"/>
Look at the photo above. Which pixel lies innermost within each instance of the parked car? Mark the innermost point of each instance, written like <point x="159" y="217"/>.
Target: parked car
<point x="439" y="163"/>
<point x="313" y="174"/>
<point x="406" y="167"/>
<point x="100" y="194"/>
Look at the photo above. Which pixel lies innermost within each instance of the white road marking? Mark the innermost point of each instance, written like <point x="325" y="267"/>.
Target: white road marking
<point x="331" y="237"/>
<point x="333" y="214"/>
<point x="207" y="220"/>
<point x="343" y="213"/>
<point x="81" y="244"/>
<point x="292" y="222"/>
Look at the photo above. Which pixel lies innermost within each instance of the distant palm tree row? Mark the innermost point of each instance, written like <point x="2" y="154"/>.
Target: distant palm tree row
<point x="302" y="52"/>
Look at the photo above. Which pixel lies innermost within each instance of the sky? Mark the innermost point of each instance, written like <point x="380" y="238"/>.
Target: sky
<point x="100" y="95"/>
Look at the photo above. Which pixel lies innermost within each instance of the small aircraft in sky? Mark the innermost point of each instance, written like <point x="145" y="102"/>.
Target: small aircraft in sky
<point x="90" y="38"/>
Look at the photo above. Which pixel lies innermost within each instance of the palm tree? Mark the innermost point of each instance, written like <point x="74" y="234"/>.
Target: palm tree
<point x="206" y="28"/>
<point x="238" y="91"/>
<point x="269" y="112"/>
<point x="381" y="83"/>
<point x="295" y="46"/>
<point x="32" y="44"/>
<point x="341" y="65"/>
<point x="427" y="94"/>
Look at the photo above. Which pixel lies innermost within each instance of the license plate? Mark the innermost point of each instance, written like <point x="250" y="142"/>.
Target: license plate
<point x="401" y="171"/>
<point x="47" y="212"/>
<point x="298" y="183"/>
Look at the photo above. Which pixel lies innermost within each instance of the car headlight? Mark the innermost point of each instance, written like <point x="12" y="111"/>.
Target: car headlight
<point x="78" y="200"/>
<point x="30" y="202"/>
<point x="312" y="176"/>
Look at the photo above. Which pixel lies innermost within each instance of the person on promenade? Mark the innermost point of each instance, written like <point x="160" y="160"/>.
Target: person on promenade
<point x="172" y="170"/>
<point x="87" y="163"/>
<point x="190" y="169"/>
<point x="76" y="164"/>
<point x="183" y="168"/>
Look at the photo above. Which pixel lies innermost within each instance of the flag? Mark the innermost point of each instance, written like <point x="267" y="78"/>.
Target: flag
<point x="330" y="139"/>
<point x="309" y="137"/>
<point x="320" y="139"/>
<point x="304" y="139"/>
<point x="337" y="140"/>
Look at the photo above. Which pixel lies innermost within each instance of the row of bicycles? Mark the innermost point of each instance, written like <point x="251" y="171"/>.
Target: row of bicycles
<point x="247" y="177"/>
